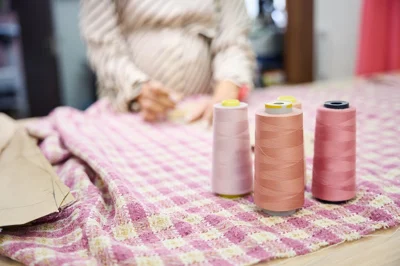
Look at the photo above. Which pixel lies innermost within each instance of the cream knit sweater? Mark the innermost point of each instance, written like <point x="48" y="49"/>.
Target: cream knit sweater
<point x="187" y="45"/>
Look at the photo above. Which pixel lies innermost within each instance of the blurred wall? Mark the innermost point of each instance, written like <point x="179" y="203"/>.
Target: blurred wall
<point x="336" y="26"/>
<point x="74" y="75"/>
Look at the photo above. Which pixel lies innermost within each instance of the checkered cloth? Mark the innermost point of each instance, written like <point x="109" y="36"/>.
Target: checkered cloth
<point x="143" y="191"/>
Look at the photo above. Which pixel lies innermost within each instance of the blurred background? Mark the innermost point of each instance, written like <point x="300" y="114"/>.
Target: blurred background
<point x="43" y="63"/>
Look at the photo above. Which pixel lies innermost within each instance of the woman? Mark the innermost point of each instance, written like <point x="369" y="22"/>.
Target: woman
<point x="146" y="51"/>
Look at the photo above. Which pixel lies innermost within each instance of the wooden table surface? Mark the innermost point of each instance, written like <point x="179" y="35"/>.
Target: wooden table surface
<point x="380" y="248"/>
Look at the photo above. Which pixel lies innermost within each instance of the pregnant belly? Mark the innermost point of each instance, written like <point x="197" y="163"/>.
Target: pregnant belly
<point x="179" y="60"/>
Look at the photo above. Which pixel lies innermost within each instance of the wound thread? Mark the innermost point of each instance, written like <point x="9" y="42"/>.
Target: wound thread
<point x="296" y="104"/>
<point x="232" y="173"/>
<point x="334" y="164"/>
<point x="279" y="161"/>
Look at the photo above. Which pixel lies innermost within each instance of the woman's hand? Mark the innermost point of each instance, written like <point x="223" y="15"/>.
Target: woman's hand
<point x="154" y="100"/>
<point x="223" y="91"/>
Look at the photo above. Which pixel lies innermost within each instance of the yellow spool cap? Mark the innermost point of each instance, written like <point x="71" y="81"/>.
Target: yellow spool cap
<point x="232" y="196"/>
<point x="277" y="105"/>
<point x="230" y="103"/>
<point x="287" y="98"/>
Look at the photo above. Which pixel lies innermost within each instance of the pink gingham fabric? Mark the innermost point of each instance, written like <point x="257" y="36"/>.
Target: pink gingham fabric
<point x="143" y="191"/>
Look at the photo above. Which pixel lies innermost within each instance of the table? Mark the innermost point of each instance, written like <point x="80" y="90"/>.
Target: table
<point x="380" y="248"/>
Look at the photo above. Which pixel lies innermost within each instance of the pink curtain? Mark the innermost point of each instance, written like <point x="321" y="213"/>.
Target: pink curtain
<point x="379" y="43"/>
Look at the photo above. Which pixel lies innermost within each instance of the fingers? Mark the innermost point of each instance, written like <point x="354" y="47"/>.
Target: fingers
<point x="159" y="95"/>
<point x="197" y="114"/>
<point x="154" y="101"/>
<point x="208" y="116"/>
<point x="148" y="116"/>
<point x="204" y="112"/>
<point x="152" y="110"/>
<point x="152" y="106"/>
<point x="166" y="102"/>
<point x="159" y="91"/>
<point x="156" y="89"/>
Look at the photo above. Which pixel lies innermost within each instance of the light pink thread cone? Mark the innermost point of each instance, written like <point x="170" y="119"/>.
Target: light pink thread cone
<point x="232" y="172"/>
